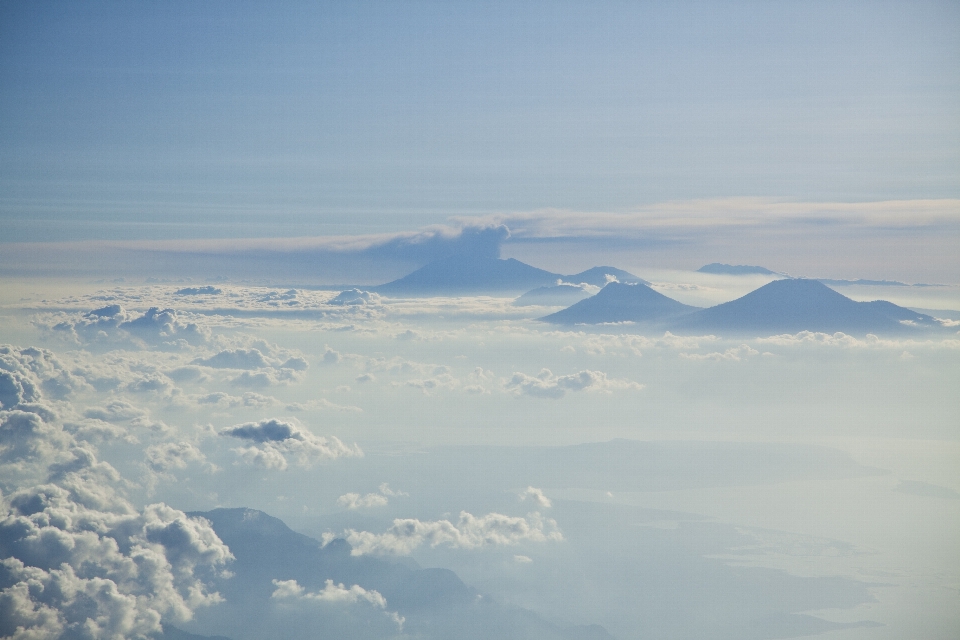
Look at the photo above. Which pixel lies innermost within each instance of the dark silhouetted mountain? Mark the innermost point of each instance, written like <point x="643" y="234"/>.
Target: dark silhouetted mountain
<point x="559" y="295"/>
<point x="469" y="275"/>
<point x="735" y="269"/>
<point x="794" y="305"/>
<point x="597" y="276"/>
<point x="618" y="302"/>
<point x="434" y="602"/>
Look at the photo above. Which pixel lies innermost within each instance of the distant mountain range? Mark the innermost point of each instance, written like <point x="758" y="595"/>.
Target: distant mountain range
<point x="873" y="283"/>
<point x="472" y="275"/>
<point x="784" y="306"/>
<point x="719" y="268"/>
<point x="735" y="269"/>
<point x="434" y="602"/>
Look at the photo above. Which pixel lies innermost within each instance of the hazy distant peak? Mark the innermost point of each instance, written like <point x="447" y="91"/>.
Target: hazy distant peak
<point x="601" y="276"/>
<point x="735" y="269"/>
<point x="463" y="274"/>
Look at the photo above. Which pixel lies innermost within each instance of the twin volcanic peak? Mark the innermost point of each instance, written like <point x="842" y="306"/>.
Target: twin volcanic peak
<point x="478" y="274"/>
<point x="781" y="306"/>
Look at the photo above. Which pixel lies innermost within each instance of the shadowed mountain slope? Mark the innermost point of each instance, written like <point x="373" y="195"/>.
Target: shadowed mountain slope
<point x="434" y="603"/>
<point x="266" y="548"/>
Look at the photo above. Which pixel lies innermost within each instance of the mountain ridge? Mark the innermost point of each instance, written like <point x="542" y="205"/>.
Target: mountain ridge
<point x="433" y="602"/>
<point x="479" y="274"/>
<point x="787" y="305"/>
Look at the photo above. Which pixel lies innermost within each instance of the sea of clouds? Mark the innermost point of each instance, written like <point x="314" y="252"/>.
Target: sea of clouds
<point x="130" y="405"/>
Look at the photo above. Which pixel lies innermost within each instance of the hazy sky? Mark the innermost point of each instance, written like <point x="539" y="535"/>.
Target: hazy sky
<point x="247" y="119"/>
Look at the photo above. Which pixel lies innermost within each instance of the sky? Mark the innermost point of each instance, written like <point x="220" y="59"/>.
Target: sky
<point x="197" y="201"/>
<point x="187" y="120"/>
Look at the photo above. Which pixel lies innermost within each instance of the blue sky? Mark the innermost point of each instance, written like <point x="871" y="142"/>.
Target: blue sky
<point x="172" y="120"/>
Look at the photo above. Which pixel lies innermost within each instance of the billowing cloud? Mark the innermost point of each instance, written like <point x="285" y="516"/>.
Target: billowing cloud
<point x="734" y="354"/>
<point x="25" y="372"/>
<point x="470" y="532"/>
<point x="357" y="501"/>
<point x="295" y="363"/>
<point x="114" y="411"/>
<point x="199" y="291"/>
<point x="870" y="341"/>
<point x="536" y="496"/>
<point x="261" y="379"/>
<point x="161" y="459"/>
<point x="274" y="441"/>
<point x="290" y="590"/>
<point x="547" y="385"/>
<point x="77" y="572"/>
<point x="387" y="491"/>
<point x="155" y="327"/>
<point x="235" y="359"/>
<point x="78" y="559"/>
<point x="94" y="430"/>
<point x="28" y="444"/>
<point x="172" y="455"/>
<point x="247" y="399"/>
<point x="355" y="297"/>
<point x="330" y="593"/>
<point x="264" y="431"/>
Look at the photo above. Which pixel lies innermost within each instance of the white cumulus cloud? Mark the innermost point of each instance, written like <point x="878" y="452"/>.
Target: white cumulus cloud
<point x="275" y="441"/>
<point x="470" y="532"/>
<point x="536" y="496"/>
<point x="547" y="385"/>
